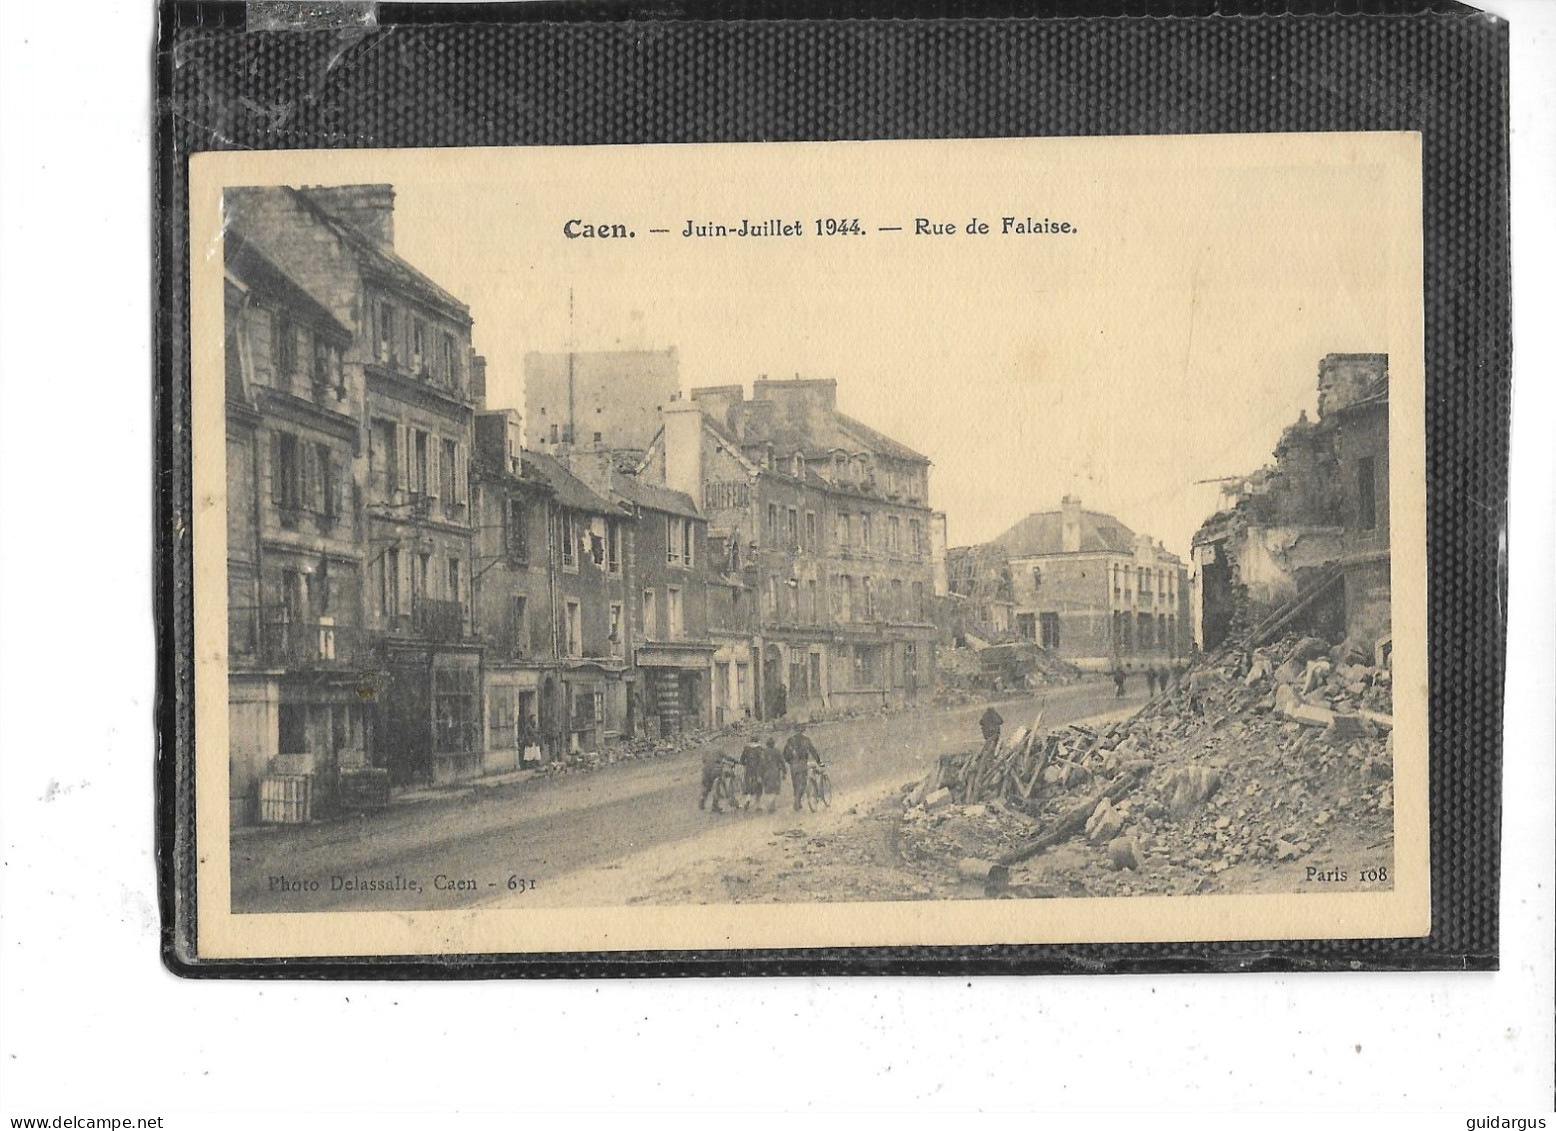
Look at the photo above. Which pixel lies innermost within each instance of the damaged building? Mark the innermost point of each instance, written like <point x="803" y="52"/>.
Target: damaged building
<point x="981" y="595"/>
<point x="1302" y="544"/>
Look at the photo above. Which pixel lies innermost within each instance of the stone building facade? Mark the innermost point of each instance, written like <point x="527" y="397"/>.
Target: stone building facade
<point x="294" y="558"/>
<point x="1089" y="589"/>
<point x="829" y="522"/>
<point x="410" y="357"/>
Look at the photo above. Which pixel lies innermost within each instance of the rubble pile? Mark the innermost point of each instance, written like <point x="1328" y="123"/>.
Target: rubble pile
<point x="1051" y="669"/>
<point x="644" y="748"/>
<point x="965" y="677"/>
<point x="1257" y="759"/>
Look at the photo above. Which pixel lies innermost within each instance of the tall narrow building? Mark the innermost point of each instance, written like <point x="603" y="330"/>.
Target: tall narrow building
<point x="412" y="383"/>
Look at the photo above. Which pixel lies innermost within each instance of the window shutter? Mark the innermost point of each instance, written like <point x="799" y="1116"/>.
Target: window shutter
<point x="277" y="491"/>
<point x="462" y="474"/>
<point x="337" y="481"/>
<point x="434" y="464"/>
<point x="307" y="464"/>
<point x="402" y="445"/>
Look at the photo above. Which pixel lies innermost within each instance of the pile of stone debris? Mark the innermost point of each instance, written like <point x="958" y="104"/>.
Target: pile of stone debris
<point x="1251" y="759"/>
<point x="973" y="675"/>
<point x="644" y="748"/>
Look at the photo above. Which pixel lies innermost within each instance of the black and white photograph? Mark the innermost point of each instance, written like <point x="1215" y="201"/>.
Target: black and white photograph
<point x="728" y="561"/>
<point x="591" y="547"/>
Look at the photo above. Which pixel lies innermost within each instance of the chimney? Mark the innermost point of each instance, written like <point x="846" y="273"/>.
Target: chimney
<point x="807" y="406"/>
<point x="595" y="466"/>
<point x="366" y="209"/>
<point x="1070" y="526"/>
<point x="497" y="439"/>
<point x="683" y="448"/>
<point x="478" y="378"/>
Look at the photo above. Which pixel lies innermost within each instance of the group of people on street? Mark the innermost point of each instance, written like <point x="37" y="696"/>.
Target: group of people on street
<point x="763" y="766"/>
<point x="1159" y="677"/>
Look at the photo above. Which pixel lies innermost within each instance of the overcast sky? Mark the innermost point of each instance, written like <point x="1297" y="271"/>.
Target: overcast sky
<point x="1168" y="340"/>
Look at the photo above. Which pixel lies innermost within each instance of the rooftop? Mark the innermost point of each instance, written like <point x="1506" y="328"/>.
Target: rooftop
<point x="652" y="497"/>
<point x="250" y="265"/>
<point x="1043" y="533"/>
<point x="570" y="491"/>
<point x="383" y="260"/>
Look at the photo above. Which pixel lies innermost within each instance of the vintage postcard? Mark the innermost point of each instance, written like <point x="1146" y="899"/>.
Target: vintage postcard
<point x="883" y="543"/>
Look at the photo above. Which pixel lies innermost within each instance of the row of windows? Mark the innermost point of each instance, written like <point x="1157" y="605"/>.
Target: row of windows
<point x="1144" y="630"/>
<point x="407" y="341"/>
<point x="675" y="615"/>
<point x="786" y="531"/>
<point x="592" y="536"/>
<point x="572" y="641"/>
<point x="417" y="461"/>
<point x="1163" y="583"/>
<point x="280" y="351"/>
<point x="305" y="477"/>
<point x="428" y="577"/>
<point x="297" y="352"/>
<point x="680" y="542"/>
<point x="852" y="599"/>
<point x="518" y="627"/>
<point x="854" y="471"/>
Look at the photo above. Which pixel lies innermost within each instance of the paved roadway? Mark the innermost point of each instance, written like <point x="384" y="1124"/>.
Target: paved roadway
<point x="490" y="843"/>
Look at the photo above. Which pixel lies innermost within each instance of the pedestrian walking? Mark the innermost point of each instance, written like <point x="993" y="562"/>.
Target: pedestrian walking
<point x="799" y="753"/>
<point x="989" y="723"/>
<point x="773" y="769"/>
<point x="714" y="760"/>
<point x="1150" y="679"/>
<point x="1118" y="682"/>
<point x="751" y="762"/>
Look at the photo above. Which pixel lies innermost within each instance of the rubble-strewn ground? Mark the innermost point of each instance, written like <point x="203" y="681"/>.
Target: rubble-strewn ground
<point x="1272" y="770"/>
<point x="1229" y="793"/>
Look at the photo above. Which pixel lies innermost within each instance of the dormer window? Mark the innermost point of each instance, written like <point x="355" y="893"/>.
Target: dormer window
<point x="799" y="466"/>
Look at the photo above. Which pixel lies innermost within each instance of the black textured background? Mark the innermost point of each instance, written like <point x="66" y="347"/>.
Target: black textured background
<point x="551" y="75"/>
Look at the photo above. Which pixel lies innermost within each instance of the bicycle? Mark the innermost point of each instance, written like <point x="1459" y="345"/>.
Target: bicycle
<point x="818" y="787"/>
<point x="727" y="786"/>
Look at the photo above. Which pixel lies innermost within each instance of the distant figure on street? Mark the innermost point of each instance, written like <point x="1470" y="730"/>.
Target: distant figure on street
<point x="751" y="762"/>
<point x="989" y="723"/>
<point x="1150" y="679"/>
<point x="780" y="701"/>
<point x="1118" y="681"/>
<point x="773" y="769"/>
<point x="799" y="753"/>
<point x="1163" y="674"/>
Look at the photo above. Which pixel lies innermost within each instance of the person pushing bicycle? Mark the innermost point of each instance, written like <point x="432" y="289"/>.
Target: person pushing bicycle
<point x="799" y="752"/>
<point x="717" y="762"/>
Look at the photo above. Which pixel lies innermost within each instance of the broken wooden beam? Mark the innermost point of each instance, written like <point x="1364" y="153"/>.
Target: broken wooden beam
<point x="1075" y="820"/>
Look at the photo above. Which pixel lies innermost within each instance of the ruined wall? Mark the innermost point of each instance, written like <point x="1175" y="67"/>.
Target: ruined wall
<point x="1361" y="435"/>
